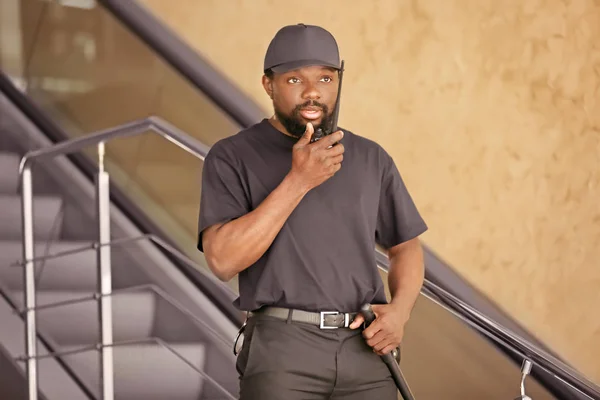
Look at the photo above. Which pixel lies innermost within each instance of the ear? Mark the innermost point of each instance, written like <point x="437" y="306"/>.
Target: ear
<point x="268" y="86"/>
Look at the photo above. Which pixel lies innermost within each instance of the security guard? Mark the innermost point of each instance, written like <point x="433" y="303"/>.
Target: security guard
<point x="298" y="221"/>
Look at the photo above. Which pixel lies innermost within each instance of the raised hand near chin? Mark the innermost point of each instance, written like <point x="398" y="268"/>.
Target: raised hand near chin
<point x="314" y="163"/>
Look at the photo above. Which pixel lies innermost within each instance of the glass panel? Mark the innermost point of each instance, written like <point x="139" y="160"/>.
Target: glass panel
<point x="89" y="72"/>
<point x="443" y="358"/>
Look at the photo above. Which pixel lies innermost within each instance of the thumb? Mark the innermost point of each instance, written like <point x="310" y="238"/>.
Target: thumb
<point x="358" y="321"/>
<point x="307" y="133"/>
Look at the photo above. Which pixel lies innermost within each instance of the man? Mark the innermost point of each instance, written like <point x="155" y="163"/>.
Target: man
<point x="298" y="222"/>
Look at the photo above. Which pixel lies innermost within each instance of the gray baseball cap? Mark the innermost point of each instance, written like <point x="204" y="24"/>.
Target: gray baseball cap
<point x="296" y="46"/>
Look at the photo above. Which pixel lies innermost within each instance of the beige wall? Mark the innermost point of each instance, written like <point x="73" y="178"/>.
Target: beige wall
<point x="491" y="109"/>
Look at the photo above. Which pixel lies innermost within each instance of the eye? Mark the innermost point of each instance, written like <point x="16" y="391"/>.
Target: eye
<point x="327" y="79"/>
<point x="293" y="80"/>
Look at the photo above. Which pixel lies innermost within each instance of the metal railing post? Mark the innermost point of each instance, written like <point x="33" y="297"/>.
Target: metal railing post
<point x="525" y="370"/>
<point x="29" y="282"/>
<point x="104" y="278"/>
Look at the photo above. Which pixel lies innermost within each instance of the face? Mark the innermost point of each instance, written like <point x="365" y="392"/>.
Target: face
<point x="304" y="95"/>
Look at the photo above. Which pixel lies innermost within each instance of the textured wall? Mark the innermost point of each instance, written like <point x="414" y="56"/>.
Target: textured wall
<point x="491" y="109"/>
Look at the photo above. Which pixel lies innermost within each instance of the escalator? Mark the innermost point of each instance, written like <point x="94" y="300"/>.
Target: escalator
<point x="88" y="66"/>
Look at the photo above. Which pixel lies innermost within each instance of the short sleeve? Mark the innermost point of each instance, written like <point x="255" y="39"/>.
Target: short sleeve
<point x="223" y="197"/>
<point x="398" y="219"/>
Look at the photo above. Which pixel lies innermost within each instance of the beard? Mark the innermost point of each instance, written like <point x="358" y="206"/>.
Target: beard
<point x="294" y="123"/>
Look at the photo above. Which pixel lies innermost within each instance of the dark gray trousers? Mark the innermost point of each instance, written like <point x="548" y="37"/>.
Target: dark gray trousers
<point x="290" y="360"/>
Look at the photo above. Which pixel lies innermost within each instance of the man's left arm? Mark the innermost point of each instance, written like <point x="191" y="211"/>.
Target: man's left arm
<point x="405" y="279"/>
<point x="406" y="275"/>
<point x="399" y="225"/>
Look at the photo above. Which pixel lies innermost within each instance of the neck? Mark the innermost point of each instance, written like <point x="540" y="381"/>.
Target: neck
<point x="279" y="126"/>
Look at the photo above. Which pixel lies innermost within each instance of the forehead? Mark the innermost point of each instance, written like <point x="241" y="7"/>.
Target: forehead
<point x="310" y="70"/>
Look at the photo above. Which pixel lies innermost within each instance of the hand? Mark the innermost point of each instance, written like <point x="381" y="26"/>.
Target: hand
<point x="314" y="163"/>
<point x="386" y="331"/>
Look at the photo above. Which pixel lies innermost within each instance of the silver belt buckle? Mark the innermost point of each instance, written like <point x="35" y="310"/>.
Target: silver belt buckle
<point x="322" y="322"/>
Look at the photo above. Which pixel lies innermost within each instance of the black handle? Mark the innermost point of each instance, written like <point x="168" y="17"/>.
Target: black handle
<point x="367" y="312"/>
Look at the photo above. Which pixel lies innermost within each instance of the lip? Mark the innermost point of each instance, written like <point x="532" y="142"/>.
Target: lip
<point x="311" y="113"/>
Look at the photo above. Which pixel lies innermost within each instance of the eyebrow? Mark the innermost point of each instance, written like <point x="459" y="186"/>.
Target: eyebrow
<point x="297" y="72"/>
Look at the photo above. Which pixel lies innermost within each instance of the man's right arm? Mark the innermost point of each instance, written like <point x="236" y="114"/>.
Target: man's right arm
<point x="234" y="246"/>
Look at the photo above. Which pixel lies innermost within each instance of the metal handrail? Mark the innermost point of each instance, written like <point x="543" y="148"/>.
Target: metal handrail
<point x="490" y="328"/>
<point x="502" y="336"/>
<point x="432" y="291"/>
<point x="155" y="124"/>
<point x="152" y="124"/>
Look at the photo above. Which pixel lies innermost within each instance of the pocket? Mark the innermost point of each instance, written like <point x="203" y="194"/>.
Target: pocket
<point x="262" y="349"/>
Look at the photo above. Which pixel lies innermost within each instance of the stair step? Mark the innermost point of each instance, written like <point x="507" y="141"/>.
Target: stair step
<point x="45" y="212"/>
<point x="146" y="371"/>
<point x="78" y="324"/>
<point x="9" y="172"/>
<point x="72" y="272"/>
<point x="53" y="379"/>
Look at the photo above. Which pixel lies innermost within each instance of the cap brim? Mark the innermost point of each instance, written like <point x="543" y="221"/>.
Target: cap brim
<point x="286" y="67"/>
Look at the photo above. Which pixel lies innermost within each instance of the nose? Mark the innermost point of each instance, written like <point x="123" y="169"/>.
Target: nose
<point x="311" y="92"/>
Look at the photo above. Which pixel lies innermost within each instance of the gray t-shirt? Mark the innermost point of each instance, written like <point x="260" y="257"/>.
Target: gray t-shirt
<point x="323" y="259"/>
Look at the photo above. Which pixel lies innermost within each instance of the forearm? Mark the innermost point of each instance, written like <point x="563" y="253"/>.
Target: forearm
<point x="406" y="275"/>
<point x="238" y="244"/>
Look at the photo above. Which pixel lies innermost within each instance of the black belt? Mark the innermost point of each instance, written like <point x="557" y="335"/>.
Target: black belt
<point x="323" y="319"/>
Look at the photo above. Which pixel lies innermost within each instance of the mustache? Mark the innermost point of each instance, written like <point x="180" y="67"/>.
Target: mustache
<point x="311" y="103"/>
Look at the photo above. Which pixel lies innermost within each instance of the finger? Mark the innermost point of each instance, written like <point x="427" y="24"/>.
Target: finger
<point x="335" y="168"/>
<point x="382" y="340"/>
<point x="337" y="159"/>
<point x="305" y="139"/>
<point x="358" y="321"/>
<point x="330" y="140"/>
<point x="336" y="150"/>
<point x="387" y="349"/>
<point x="379" y="341"/>
<point x="371" y="331"/>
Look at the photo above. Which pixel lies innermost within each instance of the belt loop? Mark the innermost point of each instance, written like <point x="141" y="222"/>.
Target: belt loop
<point x="289" y="318"/>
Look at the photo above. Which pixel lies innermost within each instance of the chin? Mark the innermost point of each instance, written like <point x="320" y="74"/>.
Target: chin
<point x="315" y="122"/>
